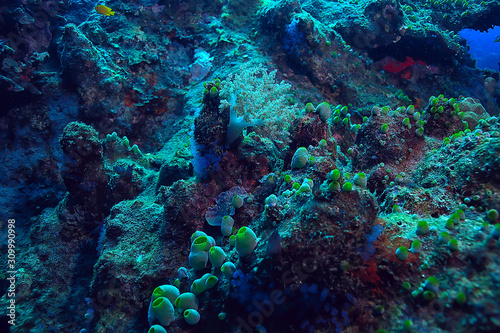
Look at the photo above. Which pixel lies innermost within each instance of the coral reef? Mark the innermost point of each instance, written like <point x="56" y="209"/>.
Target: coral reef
<point x="259" y="166"/>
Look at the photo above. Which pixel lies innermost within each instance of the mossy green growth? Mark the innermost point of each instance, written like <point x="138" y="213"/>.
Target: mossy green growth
<point x="422" y="228"/>
<point x="347" y="187"/>
<point x="402" y="253"/>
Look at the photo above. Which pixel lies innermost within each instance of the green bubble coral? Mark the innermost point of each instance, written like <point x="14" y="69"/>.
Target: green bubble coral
<point x="335" y="174"/>
<point x="246" y="241"/>
<point x="432" y="284"/>
<point x="216" y="256"/>
<point x="450" y="224"/>
<point x="360" y="179"/>
<point x="461" y="299"/>
<point x="334" y="186"/>
<point x="191" y="316"/>
<point x="211" y="281"/>
<point x="187" y="301"/>
<point x="301" y="158"/>
<point x="453" y="244"/>
<point x="495" y="232"/>
<point x="444" y="237"/>
<point x="407" y="325"/>
<point x="396" y="209"/>
<point x="416" y="246"/>
<point x="492" y="215"/>
<point x="347" y="187"/>
<point x="429" y="295"/>
<point x="344" y="265"/>
<point x="402" y="253"/>
<point x="157" y="329"/>
<point x="384" y="128"/>
<point x="226" y="226"/>
<point x="422" y="228"/>
<point x="237" y="201"/>
<point x="324" y="111"/>
<point x="163" y="311"/>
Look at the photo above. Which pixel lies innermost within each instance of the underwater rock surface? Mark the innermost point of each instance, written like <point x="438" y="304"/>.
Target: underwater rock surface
<point x="248" y="166"/>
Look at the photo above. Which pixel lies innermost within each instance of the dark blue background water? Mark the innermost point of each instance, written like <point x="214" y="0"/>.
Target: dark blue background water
<point x="483" y="48"/>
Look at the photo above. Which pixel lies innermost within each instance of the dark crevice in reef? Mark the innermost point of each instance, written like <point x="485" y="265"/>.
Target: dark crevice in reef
<point x="429" y="50"/>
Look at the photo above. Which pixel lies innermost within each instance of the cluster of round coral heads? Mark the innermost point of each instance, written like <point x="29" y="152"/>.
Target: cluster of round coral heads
<point x="164" y="300"/>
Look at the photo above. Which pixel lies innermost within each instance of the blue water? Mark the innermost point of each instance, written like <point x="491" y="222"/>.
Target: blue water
<point x="483" y="48"/>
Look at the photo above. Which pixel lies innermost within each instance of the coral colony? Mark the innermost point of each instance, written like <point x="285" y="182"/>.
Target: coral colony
<point x="250" y="166"/>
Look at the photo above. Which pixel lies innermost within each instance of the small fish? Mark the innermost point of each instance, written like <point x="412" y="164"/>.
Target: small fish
<point x="104" y="10"/>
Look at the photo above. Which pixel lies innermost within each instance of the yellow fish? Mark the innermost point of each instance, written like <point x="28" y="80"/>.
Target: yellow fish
<point x="104" y="10"/>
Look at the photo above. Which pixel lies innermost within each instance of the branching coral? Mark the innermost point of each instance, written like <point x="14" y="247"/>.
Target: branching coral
<point x="259" y="96"/>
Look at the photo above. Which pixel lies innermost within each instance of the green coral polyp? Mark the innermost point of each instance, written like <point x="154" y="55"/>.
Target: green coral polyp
<point x="384" y="128"/>
<point x="347" y="187"/>
<point x="422" y="228"/>
<point x="246" y="241"/>
<point x="335" y="174"/>
<point x="402" y="253"/>
<point x="200" y="244"/>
